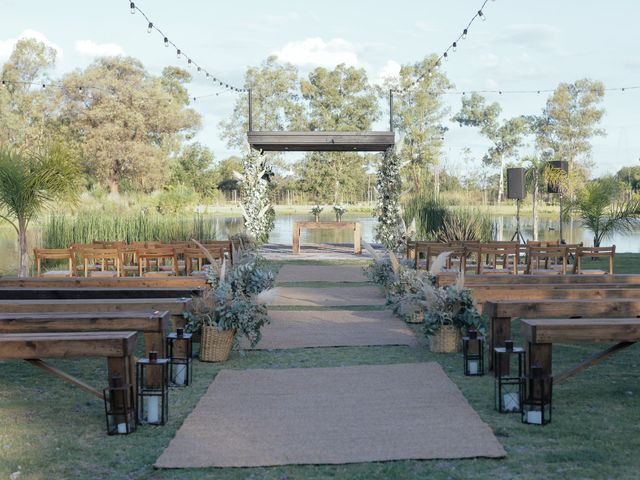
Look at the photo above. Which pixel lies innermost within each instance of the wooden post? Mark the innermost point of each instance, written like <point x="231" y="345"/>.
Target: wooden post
<point x="500" y="330"/>
<point x="296" y="239"/>
<point x="357" y="238"/>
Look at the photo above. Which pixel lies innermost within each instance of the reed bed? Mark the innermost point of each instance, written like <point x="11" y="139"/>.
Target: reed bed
<point x="60" y="231"/>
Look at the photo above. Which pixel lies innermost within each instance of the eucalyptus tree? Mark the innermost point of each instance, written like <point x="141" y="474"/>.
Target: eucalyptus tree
<point x="506" y="135"/>
<point x="535" y="168"/>
<point x="338" y="100"/>
<point x="418" y="116"/>
<point x="31" y="182"/>
<point x="129" y="122"/>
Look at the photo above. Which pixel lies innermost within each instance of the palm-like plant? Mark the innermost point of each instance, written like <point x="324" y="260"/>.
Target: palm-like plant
<point x="534" y="173"/>
<point x="600" y="212"/>
<point x="29" y="183"/>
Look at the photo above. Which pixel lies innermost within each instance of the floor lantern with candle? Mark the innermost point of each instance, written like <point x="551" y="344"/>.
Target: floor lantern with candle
<point x="179" y="348"/>
<point x="473" y="353"/>
<point x="119" y="406"/>
<point x="153" y="391"/>
<point x="537" y="405"/>
<point x="509" y="382"/>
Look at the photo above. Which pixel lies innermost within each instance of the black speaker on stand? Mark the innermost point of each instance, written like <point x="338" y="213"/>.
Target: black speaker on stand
<point x="516" y="191"/>
<point x="556" y="187"/>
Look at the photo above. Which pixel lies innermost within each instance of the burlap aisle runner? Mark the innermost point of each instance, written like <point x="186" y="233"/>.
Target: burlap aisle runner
<point x="321" y="273"/>
<point x="329" y="297"/>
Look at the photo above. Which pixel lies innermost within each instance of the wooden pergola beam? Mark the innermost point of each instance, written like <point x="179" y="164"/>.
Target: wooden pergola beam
<point x="321" y="141"/>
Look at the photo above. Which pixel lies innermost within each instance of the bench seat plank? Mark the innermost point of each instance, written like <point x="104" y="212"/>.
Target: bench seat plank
<point x="67" y="345"/>
<point x="175" y="306"/>
<point x="118" y="282"/>
<point x="596" y="330"/>
<point x="64" y="293"/>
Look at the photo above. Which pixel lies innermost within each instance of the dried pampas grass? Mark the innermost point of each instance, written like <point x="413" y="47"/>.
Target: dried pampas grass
<point x="439" y="263"/>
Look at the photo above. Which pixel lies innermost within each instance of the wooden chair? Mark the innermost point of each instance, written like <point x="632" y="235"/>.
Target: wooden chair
<point x="195" y="259"/>
<point x="422" y="247"/>
<point x="593" y="252"/>
<point x="101" y="262"/>
<point x="505" y="255"/>
<point x="150" y="257"/>
<point x="225" y="245"/>
<point x="54" y="254"/>
<point x="536" y="255"/>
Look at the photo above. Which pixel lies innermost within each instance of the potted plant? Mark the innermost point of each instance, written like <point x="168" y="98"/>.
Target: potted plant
<point x="447" y="311"/>
<point x="316" y="209"/>
<point x="340" y="210"/>
<point x="235" y="305"/>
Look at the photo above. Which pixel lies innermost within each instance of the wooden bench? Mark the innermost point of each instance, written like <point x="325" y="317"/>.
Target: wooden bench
<point x="475" y="280"/>
<point x="501" y="313"/>
<point x="121" y="282"/>
<point x="175" y="306"/>
<point x="355" y="226"/>
<point x="539" y="335"/>
<point x="68" y="293"/>
<point x="153" y="325"/>
<point x="118" y="347"/>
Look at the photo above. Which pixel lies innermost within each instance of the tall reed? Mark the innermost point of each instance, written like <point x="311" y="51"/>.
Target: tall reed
<point x="60" y="231"/>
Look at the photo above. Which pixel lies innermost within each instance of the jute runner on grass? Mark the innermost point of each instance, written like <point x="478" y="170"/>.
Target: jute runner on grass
<point x="329" y="297"/>
<point x="251" y="418"/>
<point x="321" y="273"/>
<point x="333" y="328"/>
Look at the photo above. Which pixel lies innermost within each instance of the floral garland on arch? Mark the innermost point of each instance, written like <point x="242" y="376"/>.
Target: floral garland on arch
<point x="256" y="207"/>
<point x="389" y="229"/>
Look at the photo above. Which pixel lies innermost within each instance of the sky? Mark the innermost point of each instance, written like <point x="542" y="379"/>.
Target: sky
<point x="522" y="45"/>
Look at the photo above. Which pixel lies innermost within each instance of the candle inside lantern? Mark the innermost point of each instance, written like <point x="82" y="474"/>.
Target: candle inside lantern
<point x="511" y="402"/>
<point x="122" y="428"/>
<point x="181" y="371"/>
<point x="153" y="409"/>
<point x="534" y="417"/>
<point x="473" y="367"/>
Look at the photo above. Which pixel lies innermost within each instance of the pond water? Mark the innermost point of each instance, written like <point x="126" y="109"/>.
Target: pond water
<point x="283" y="231"/>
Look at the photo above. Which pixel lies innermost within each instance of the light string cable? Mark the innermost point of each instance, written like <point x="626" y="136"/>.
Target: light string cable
<point x="451" y="48"/>
<point x="80" y="88"/>
<point x="151" y="26"/>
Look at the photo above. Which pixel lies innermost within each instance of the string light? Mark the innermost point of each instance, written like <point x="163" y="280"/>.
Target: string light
<point x="179" y="52"/>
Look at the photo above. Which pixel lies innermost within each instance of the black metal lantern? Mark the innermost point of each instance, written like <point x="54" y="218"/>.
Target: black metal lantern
<point x="179" y="351"/>
<point x="153" y="391"/>
<point x="509" y="382"/>
<point x="537" y="406"/>
<point x="119" y="406"/>
<point x="473" y="354"/>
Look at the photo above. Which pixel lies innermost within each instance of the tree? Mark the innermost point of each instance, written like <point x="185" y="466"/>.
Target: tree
<point x="601" y="212"/>
<point x="630" y="176"/>
<point x="506" y="136"/>
<point x="569" y="120"/>
<point x="276" y="105"/>
<point x="535" y="168"/>
<point x="130" y="124"/>
<point x="29" y="183"/>
<point x="224" y="171"/>
<point x="193" y="167"/>
<point x="340" y="100"/>
<point x="418" y="117"/>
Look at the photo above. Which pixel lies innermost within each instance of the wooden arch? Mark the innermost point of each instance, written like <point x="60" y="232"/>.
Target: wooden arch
<point x="321" y="141"/>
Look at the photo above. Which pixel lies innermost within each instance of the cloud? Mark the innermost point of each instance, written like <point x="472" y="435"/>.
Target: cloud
<point x="391" y="69"/>
<point x="7" y="46"/>
<point x="90" y="48"/>
<point x="315" y="51"/>
<point x="531" y="35"/>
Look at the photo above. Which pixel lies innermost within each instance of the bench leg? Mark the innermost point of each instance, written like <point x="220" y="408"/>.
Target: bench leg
<point x="357" y="237"/>
<point x="296" y="241"/>
<point x="500" y="330"/>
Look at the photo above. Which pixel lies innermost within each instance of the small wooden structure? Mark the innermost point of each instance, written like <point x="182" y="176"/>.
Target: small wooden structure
<point x="355" y="226"/>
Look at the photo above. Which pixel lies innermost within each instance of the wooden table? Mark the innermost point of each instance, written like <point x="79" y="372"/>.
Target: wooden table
<point x="355" y="226"/>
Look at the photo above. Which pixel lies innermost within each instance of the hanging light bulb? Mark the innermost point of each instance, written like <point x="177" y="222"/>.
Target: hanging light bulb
<point x="149" y="27"/>
<point x="166" y="42"/>
<point x="446" y="57"/>
<point x="199" y="69"/>
<point x="455" y="46"/>
<point x="189" y="63"/>
<point x="178" y="52"/>
<point x="464" y="34"/>
<point x="133" y="7"/>
<point x="482" y="15"/>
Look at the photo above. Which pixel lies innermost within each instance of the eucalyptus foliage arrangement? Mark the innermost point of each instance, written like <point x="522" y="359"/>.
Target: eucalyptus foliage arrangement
<point x="340" y="210"/>
<point x="237" y="299"/>
<point x="256" y="207"/>
<point x="316" y="210"/>
<point x="389" y="229"/>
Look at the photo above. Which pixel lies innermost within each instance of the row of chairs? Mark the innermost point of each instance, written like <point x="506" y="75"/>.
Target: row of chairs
<point x="118" y="259"/>
<point x="509" y="257"/>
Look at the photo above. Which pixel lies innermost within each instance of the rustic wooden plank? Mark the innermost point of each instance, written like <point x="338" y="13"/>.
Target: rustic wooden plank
<point x="473" y="280"/>
<point x="327" y="225"/>
<point x="355" y="226"/>
<point x="157" y="322"/>
<point x="67" y="345"/>
<point x="66" y="377"/>
<point x="175" y="306"/>
<point x="321" y="141"/>
<point x="66" y="293"/>
<point x="616" y="307"/>
<point x="591" y="361"/>
<point x="523" y="287"/>
<point x="120" y="282"/>
<point x="596" y="330"/>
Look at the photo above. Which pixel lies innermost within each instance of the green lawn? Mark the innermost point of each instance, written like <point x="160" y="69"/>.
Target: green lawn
<point x="55" y="431"/>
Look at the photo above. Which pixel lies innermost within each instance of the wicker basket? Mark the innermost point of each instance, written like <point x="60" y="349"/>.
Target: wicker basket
<point x="216" y="346"/>
<point x="445" y="340"/>
<point x="415" y="317"/>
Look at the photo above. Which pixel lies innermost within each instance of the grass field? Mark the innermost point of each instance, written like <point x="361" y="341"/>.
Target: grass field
<point x="51" y="430"/>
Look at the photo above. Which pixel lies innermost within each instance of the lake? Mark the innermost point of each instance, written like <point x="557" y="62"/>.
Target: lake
<point x="283" y="231"/>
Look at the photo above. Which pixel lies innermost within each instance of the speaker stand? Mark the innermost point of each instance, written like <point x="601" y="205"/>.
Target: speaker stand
<point x="518" y="234"/>
<point x="561" y="212"/>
